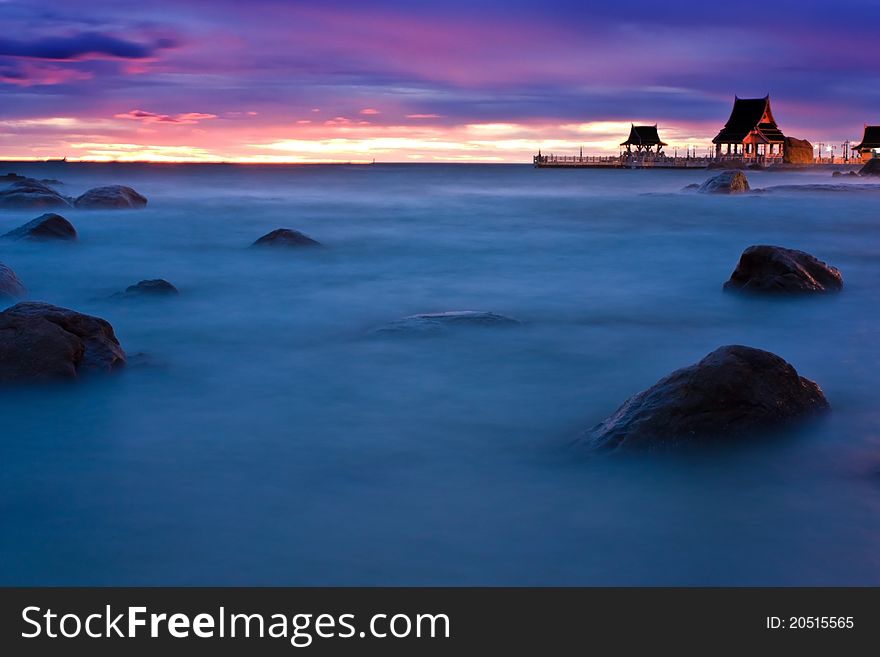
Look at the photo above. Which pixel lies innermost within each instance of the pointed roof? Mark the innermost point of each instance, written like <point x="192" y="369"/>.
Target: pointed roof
<point x="749" y="114"/>
<point x="643" y="135"/>
<point x="871" y="138"/>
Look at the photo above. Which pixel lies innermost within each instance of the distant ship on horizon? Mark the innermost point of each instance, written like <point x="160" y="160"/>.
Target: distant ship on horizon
<point x="57" y="160"/>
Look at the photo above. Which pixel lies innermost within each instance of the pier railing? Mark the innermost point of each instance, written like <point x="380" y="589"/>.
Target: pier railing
<point x="622" y="161"/>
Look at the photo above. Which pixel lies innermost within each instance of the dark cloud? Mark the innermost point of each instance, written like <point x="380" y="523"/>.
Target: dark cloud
<point x="82" y="45"/>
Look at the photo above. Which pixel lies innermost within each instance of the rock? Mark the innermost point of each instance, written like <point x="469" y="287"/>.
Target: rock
<point x="48" y="226"/>
<point x="734" y="392"/>
<point x="774" y="269"/>
<point x="871" y="168"/>
<point x="40" y="342"/>
<point x="30" y="193"/>
<point x="286" y="237"/>
<point x="797" y="151"/>
<point x="10" y="286"/>
<point x="110" y="197"/>
<point x="834" y="174"/>
<point x="438" y="322"/>
<point x="693" y="187"/>
<point x="727" y="182"/>
<point x="157" y="287"/>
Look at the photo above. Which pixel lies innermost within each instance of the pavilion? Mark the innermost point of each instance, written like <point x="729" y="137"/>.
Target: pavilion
<point x="870" y="144"/>
<point x="644" y="139"/>
<point x="751" y="132"/>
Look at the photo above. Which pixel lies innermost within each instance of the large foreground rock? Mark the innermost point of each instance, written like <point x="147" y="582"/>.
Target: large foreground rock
<point x="49" y="226"/>
<point x="797" y="151"/>
<point x="41" y="342"/>
<point x="30" y="193"/>
<point x="871" y="168"/>
<point x="439" y="322"/>
<point x="10" y="286"/>
<point x="734" y="392"/>
<point x="774" y="269"/>
<point x="286" y="237"/>
<point x="726" y="182"/>
<point x="110" y="197"/>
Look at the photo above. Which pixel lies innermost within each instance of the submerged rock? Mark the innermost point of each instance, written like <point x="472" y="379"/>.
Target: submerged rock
<point x="774" y="269"/>
<point x="157" y="287"/>
<point x="727" y="182"/>
<point x="734" y="392"/>
<point x="30" y="193"/>
<point x="48" y="226"/>
<point x="110" y="197"/>
<point x="41" y="342"/>
<point x="286" y="237"/>
<point x="871" y="168"/>
<point x="10" y="286"/>
<point x="438" y="322"/>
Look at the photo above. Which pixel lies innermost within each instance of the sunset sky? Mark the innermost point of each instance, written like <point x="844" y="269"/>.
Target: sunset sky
<point x="410" y="80"/>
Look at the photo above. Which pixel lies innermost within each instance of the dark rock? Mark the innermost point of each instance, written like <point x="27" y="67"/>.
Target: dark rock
<point x="10" y="286"/>
<point x="157" y="287"/>
<point x="734" y="392"/>
<point x="797" y="151"/>
<point x="110" y="197"/>
<point x="774" y="269"/>
<point x="834" y="174"/>
<point x="49" y="226"/>
<point x="691" y="188"/>
<point x="438" y="322"/>
<point x="40" y="342"/>
<point x="12" y="177"/>
<point x="286" y="237"/>
<point x="30" y="193"/>
<point x="727" y="182"/>
<point x="871" y="168"/>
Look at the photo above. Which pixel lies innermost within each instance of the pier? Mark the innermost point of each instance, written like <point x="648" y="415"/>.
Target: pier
<point x="620" y="162"/>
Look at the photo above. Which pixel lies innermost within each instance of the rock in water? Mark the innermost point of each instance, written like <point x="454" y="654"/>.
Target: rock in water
<point x="10" y="286"/>
<point x="871" y="168"/>
<point x="49" y="226"/>
<point x="797" y="151"/>
<point x="773" y="269"/>
<point x="734" y="392"/>
<point x="157" y="287"/>
<point x="40" y="342"/>
<point x="30" y="193"/>
<point x="110" y="197"/>
<point x="437" y="322"/>
<point x="286" y="237"/>
<point x="726" y="182"/>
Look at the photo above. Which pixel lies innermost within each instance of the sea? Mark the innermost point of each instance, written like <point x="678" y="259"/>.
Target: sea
<point x="263" y="432"/>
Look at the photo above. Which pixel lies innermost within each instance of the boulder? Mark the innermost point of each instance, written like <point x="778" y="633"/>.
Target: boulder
<point x="49" y="226"/>
<point x="797" y="151"/>
<point x="439" y="322"/>
<point x="726" y="182"/>
<point x="10" y="286"/>
<point x="30" y="193"/>
<point x="41" y="342"/>
<point x="109" y="198"/>
<point x="286" y="237"/>
<point x="774" y="269"/>
<point x="871" y="168"/>
<point x="734" y="392"/>
<point x="157" y="287"/>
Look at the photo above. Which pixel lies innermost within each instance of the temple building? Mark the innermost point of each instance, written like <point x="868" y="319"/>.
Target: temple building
<point x="750" y="132"/>
<point x="644" y="139"/>
<point x="870" y="144"/>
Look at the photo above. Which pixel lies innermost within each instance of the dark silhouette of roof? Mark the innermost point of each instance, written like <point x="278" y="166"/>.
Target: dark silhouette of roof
<point x="745" y="117"/>
<point x="643" y="135"/>
<point x="871" y="138"/>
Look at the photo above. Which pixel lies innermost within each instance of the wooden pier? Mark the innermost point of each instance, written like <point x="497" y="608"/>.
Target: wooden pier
<point x="620" y="162"/>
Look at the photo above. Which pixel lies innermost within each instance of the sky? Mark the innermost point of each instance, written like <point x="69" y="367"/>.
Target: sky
<point x="418" y="81"/>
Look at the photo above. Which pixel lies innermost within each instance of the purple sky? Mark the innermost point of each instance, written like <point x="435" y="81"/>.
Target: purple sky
<point x="285" y="80"/>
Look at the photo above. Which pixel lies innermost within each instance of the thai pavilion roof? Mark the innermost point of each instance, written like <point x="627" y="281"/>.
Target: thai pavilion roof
<point x="871" y="138"/>
<point x="643" y="135"/>
<point x="745" y="117"/>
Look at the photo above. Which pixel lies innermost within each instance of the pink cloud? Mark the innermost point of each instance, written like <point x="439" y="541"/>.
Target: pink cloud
<point x="188" y="118"/>
<point x="369" y="111"/>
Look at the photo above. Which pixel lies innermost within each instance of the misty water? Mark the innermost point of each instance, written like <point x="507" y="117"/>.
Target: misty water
<point x="262" y="434"/>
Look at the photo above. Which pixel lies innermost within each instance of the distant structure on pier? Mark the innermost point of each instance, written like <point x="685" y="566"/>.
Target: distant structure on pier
<point x="644" y="139"/>
<point x="870" y="144"/>
<point x="751" y="132"/>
